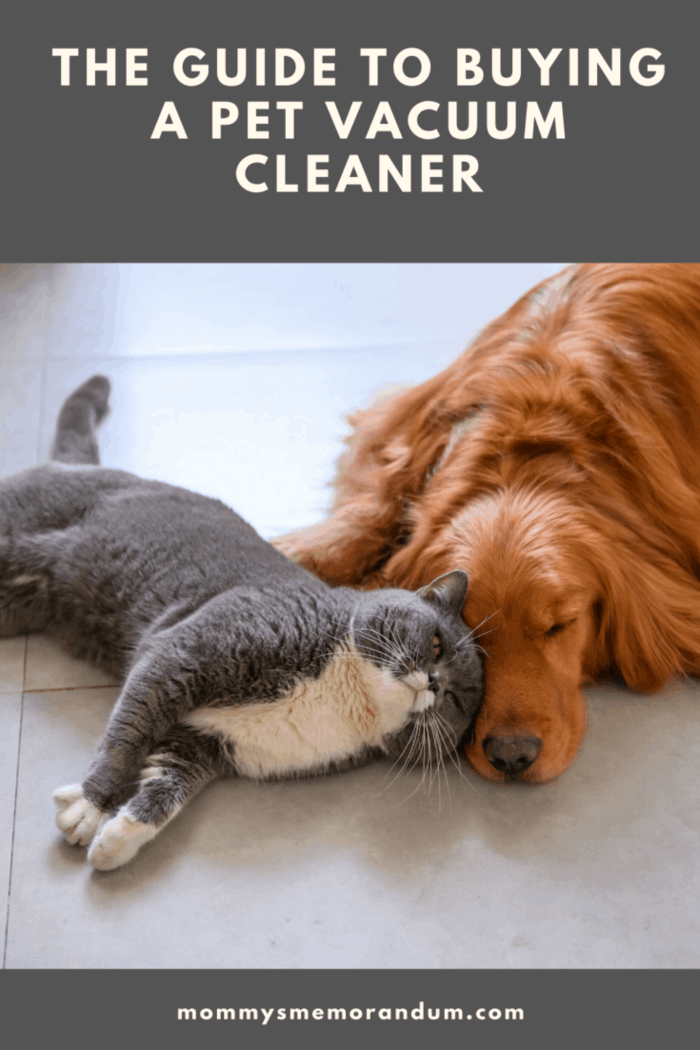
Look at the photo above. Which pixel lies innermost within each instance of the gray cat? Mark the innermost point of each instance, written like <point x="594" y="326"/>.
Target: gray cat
<point x="235" y="661"/>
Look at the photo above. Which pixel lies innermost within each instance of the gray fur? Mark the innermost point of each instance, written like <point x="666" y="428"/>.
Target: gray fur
<point x="177" y="595"/>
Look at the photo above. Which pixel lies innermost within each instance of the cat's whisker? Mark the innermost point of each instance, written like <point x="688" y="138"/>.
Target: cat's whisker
<point x="406" y="754"/>
<point x="439" y="762"/>
<point x="485" y="620"/>
<point x="393" y="634"/>
<point x="402" y="769"/>
<point x="428" y="761"/>
<point x="388" y="648"/>
<point x="422" y="780"/>
<point x="448" y="736"/>
<point x="440" y="773"/>
<point x="425" y="753"/>
<point x="382" y="645"/>
<point x="414" y="752"/>
<point x="453" y="755"/>
<point x="394" y="764"/>
<point x="413" y="757"/>
<point x="431" y="766"/>
<point x="445" y="742"/>
<point x="393" y="641"/>
<point x="443" y="746"/>
<point x="381" y="652"/>
<point x="350" y="654"/>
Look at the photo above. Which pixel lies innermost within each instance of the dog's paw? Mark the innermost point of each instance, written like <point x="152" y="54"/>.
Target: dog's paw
<point x="292" y="546"/>
<point x="77" y="817"/>
<point x="321" y="549"/>
<point x="118" y="841"/>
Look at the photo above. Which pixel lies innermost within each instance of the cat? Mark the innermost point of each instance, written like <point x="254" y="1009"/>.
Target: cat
<point x="234" y="660"/>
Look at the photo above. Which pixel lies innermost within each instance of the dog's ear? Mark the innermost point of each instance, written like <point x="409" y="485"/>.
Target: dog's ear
<point x="449" y="590"/>
<point x="650" y="617"/>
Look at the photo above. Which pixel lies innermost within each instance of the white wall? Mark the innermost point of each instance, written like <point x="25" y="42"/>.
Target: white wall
<point x="136" y="310"/>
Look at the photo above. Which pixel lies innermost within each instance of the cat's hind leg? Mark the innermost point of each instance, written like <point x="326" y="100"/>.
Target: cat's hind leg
<point x="182" y="765"/>
<point x="24" y="600"/>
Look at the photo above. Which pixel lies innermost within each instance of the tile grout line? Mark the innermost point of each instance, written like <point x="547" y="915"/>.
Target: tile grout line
<point x="14" y="811"/>
<point x="37" y="447"/>
<point x="68" y="688"/>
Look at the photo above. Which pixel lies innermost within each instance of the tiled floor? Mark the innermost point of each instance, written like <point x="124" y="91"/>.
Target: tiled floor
<point x="599" y="869"/>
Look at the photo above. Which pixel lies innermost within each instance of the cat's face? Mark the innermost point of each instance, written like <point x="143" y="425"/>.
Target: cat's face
<point x="421" y="646"/>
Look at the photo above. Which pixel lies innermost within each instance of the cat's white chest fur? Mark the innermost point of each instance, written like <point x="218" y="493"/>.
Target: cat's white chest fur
<point x="353" y="703"/>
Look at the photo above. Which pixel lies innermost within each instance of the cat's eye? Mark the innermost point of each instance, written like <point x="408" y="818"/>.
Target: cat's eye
<point x="437" y="647"/>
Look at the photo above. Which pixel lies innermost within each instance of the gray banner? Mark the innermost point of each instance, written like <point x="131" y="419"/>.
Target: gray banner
<point x="510" y="131"/>
<point x="316" y="1008"/>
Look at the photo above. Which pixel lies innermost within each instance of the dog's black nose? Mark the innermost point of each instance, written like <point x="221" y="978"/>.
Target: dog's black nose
<point x="512" y="754"/>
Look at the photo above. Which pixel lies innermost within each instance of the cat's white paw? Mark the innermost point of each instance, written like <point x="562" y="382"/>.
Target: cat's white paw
<point x="78" y="818"/>
<point x="119" y="840"/>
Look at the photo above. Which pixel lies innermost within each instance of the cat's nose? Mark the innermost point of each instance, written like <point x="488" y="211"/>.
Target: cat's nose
<point x="433" y="683"/>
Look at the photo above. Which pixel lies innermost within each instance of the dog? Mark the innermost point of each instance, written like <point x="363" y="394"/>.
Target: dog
<point x="557" y="461"/>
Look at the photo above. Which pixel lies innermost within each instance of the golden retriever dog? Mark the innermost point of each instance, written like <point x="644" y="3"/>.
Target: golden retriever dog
<point x="557" y="461"/>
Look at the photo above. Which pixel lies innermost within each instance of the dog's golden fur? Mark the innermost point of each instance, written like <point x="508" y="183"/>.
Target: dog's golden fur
<point x="572" y="500"/>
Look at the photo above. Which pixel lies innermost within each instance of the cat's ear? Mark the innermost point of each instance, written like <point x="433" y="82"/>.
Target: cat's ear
<point x="449" y="590"/>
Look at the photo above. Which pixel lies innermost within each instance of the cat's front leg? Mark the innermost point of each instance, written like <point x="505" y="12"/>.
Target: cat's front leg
<point x="76" y="816"/>
<point x="183" y="763"/>
<point x="153" y="699"/>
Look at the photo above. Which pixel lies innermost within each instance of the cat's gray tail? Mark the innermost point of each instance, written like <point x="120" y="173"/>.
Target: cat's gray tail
<point x="75" y="440"/>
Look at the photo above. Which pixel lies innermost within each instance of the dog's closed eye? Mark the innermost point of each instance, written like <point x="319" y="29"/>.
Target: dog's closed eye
<point x="557" y="628"/>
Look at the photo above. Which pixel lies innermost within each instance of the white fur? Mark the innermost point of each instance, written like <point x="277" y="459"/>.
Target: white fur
<point x="424" y="699"/>
<point x="78" y="818"/>
<point x="351" y="704"/>
<point x="118" y="841"/>
<point x="151" y="772"/>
